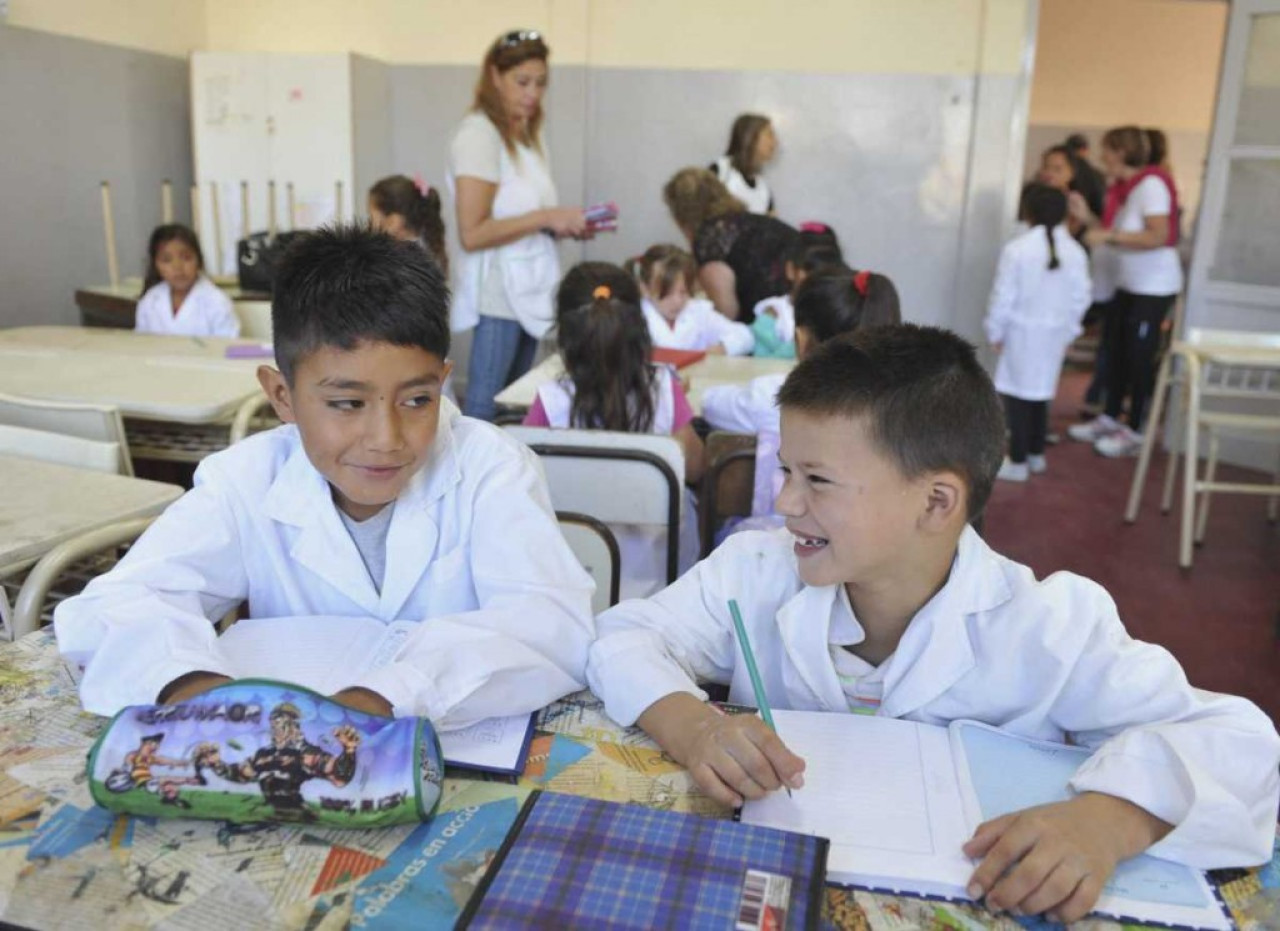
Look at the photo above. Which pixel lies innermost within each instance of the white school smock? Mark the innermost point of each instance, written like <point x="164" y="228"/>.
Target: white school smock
<point x="1035" y="311"/>
<point x="1043" y="659"/>
<point x="207" y="311"/>
<point x="641" y="548"/>
<point x="528" y="270"/>
<point x="1156" y="272"/>
<point x="752" y="408"/>
<point x="473" y="552"/>
<point x="783" y="313"/>
<point x="698" y="326"/>
<point x="757" y="197"/>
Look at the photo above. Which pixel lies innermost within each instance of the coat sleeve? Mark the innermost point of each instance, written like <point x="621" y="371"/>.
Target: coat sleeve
<point x="1204" y="762"/>
<point x="652" y="647"/>
<point x="1004" y="295"/>
<point x="150" y="619"/>
<point x="737" y="337"/>
<point x="144" y="317"/>
<point x="730" y="407"/>
<point x="224" y="321"/>
<point x="526" y="645"/>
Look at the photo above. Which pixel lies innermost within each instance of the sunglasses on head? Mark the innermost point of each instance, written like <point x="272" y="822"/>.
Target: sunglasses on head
<point x="519" y="37"/>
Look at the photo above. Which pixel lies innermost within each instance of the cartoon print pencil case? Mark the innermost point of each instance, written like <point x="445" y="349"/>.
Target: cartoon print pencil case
<point x="258" y="750"/>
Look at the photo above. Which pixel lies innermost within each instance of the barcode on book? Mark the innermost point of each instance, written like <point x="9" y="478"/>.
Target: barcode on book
<point x="764" y="901"/>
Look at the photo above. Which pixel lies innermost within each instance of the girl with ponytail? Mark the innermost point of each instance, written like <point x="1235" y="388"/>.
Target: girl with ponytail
<point x="1040" y="295"/>
<point x="406" y="208"/>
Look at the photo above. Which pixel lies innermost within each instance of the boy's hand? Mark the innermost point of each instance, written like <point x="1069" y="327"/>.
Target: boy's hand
<point x="731" y="757"/>
<point x="189" y="686"/>
<point x="366" y="700"/>
<point x="1056" y="858"/>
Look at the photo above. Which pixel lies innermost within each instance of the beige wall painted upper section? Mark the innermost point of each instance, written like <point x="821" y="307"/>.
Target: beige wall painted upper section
<point x="171" y="27"/>
<point x="1111" y="62"/>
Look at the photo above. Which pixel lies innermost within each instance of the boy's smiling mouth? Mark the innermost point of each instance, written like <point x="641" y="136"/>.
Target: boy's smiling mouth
<point x="807" y="544"/>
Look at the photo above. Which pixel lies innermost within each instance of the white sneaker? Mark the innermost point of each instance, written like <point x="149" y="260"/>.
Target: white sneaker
<point x="1119" y="445"/>
<point x="1037" y="465"/>
<point x="1013" y="472"/>
<point x="1095" y="429"/>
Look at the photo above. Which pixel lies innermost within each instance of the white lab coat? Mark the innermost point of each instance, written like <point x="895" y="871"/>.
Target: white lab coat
<point x="698" y="326"/>
<point x="1036" y="311"/>
<point x="1046" y="660"/>
<point x="207" y="311"/>
<point x="752" y="408"/>
<point x="473" y="552"/>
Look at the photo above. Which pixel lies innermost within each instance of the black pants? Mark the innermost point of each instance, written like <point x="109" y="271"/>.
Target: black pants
<point x="1028" y="424"/>
<point x="1097" y="389"/>
<point x="1131" y="355"/>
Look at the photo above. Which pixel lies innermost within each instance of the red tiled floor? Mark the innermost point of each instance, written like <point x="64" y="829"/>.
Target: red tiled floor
<point x="1220" y="621"/>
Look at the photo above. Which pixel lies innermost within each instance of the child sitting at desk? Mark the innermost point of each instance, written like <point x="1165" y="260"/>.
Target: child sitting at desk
<point x="611" y="384"/>
<point x="677" y="320"/>
<point x="409" y="209"/>
<point x="178" y="299"/>
<point x="774" y="327"/>
<point x="880" y="598"/>
<point x="375" y="499"/>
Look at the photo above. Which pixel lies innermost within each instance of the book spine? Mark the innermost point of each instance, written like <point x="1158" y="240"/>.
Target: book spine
<point x="817" y="884"/>
<point x="482" y="889"/>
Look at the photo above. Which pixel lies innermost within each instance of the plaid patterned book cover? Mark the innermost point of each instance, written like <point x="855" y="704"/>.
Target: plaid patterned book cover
<point x="572" y="862"/>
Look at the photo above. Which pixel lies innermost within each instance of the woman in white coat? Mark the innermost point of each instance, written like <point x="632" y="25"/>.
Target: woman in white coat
<point x="1040" y="295"/>
<point x="508" y="218"/>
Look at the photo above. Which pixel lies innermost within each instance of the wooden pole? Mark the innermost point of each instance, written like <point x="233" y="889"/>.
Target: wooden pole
<point x="337" y="192"/>
<point x="195" y="208"/>
<point x="293" y="216"/>
<point x="271" y="209"/>
<point x="244" y="209"/>
<point x="217" y="225"/>
<point x="109" y="229"/>
<point x="166" y="201"/>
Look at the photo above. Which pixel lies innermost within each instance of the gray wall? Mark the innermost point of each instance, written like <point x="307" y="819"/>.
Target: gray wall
<point x="75" y="113"/>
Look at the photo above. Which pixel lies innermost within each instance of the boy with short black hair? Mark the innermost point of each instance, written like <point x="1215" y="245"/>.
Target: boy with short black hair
<point x="375" y="499"/>
<point x="879" y="598"/>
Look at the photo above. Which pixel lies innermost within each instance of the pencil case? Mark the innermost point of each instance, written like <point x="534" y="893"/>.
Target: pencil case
<point x="258" y="750"/>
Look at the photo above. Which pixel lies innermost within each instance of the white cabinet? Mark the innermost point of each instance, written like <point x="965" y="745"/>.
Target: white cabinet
<point x="291" y="119"/>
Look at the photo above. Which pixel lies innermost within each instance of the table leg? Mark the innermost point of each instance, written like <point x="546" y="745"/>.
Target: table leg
<point x="1148" y="441"/>
<point x="1192" y="464"/>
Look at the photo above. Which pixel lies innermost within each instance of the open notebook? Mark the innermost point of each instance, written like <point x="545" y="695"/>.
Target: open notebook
<point x="325" y="653"/>
<point x="899" y="799"/>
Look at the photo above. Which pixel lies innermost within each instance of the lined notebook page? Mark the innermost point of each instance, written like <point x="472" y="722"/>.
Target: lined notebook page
<point x="321" y="653"/>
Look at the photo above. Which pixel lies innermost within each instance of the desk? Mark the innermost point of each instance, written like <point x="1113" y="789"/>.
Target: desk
<point x="706" y="373"/>
<point x="107" y="306"/>
<point x="88" y="864"/>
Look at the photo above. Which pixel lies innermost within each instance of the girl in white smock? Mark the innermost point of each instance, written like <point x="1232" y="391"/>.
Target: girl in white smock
<point x="178" y="299"/>
<point x="667" y="276"/>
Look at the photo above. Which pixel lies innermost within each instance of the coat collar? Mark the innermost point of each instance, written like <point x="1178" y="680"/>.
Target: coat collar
<point x="301" y="497"/>
<point x="935" y="650"/>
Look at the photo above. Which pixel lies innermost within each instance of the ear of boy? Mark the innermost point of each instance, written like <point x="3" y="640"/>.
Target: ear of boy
<point x="946" y="505"/>
<point x="276" y="388"/>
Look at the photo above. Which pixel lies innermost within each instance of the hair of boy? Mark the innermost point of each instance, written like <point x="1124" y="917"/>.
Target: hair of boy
<point x="1132" y="144"/>
<point x="744" y="138"/>
<point x="400" y="194"/>
<point x="696" y="195"/>
<point x="346" y="284"/>
<point x="829" y="302"/>
<point x="928" y="405"/>
<point x="508" y="51"/>
<point x="661" y="266"/>
<point x="168" y="232"/>
<point x="1045" y="206"/>
<point x="605" y="344"/>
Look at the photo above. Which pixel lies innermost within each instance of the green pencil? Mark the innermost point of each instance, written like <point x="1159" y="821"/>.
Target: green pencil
<point x="756" y="685"/>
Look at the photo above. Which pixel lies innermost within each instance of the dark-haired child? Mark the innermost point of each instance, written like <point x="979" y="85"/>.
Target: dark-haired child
<point x="828" y="301"/>
<point x="880" y="598"/>
<point x="375" y="499"/>
<point x="609" y="383"/>
<point x="178" y="299"/>
<point x="677" y="320"/>
<point x="407" y="209"/>
<point x="1040" y="295"/>
<point x="774" y="327"/>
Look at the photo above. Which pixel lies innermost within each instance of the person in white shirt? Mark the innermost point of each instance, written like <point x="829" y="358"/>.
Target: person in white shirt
<point x="880" y="597"/>
<point x="667" y="276"/>
<point x="1140" y="223"/>
<point x="376" y="499"/>
<point x="178" y="299"/>
<point x="752" y="145"/>
<point x="774" y="327"/>
<point x="1039" y="297"/>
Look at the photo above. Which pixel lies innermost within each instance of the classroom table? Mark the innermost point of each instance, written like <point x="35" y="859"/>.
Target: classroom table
<point x="107" y="305"/>
<point x="708" y="372"/>
<point x="66" y="863"/>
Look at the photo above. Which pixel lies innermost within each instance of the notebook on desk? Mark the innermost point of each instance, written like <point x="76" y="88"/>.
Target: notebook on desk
<point x="899" y="799"/>
<point x="324" y="653"/>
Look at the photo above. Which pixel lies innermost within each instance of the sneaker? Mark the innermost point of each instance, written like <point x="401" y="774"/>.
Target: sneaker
<point x="1053" y="439"/>
<point x="1013" y="472"/>
<point x="1095" y="429"/>
<point x="1119" y="445"/>
<point x="1037" y="465"/>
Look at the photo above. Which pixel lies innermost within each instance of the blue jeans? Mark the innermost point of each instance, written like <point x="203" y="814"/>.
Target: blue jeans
<point x="501" y="351"/>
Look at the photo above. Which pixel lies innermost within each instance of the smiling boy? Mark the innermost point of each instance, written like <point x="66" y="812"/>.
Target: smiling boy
<point x="375" y="499"/>
<point x="879" y="598"/>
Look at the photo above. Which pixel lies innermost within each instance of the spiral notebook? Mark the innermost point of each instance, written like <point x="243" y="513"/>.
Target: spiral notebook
<point x="898" y="799"/>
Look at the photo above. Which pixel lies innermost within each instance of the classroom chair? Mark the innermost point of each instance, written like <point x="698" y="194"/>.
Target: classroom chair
<point x="61" y="449"/>
<point x="728" y="483"/>
<point x="1214" y="366"/>
<point x="617" y="478"/>
<point x="98" y="422"/>
<point x="597" y="549"/>
<point x="255" y="319"/>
